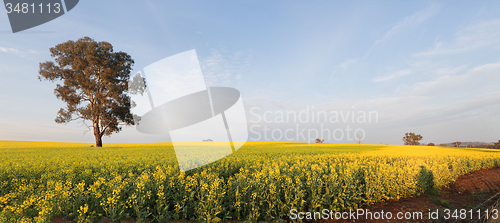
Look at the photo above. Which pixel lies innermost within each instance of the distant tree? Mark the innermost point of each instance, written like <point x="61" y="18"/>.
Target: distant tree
<point x="412" y="138"/>
<point x="319" y="141"/>
<point x="359" y="139"/>
<point x="442" y="144"/>
<point x="457" y="144"/>
<point x="431" y="144"/>
<point x="497" y="145"/>
<point x="481" y="146"/>
<point x="94" y="85"/>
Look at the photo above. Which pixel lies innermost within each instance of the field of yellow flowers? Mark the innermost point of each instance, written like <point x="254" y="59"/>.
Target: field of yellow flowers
<point x="260" y="181"/>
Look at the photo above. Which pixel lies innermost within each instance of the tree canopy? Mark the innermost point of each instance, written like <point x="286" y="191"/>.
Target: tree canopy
<point x="94" y="84"/>
<point x="412" y="138"/>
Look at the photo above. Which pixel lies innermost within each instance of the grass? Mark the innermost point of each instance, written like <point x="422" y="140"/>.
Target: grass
<point x="443" y="203"/>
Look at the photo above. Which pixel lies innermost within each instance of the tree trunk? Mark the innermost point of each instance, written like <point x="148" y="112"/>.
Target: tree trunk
<point x="97" y="135"/>
<point x="98" y="140"/>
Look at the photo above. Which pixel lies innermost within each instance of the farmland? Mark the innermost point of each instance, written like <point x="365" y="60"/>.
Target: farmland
<point x="260" y="181"/>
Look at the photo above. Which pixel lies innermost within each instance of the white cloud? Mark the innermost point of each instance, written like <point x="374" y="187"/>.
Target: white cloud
<point x="399" y="73"/>
<point x="401" y="26"/>
<point x="344" y="65"/>
<point x="426" y="102"/>
<point x="480" y="77"/>
<point x="221" y="68"/>
<point x="450" y="98"/>
<point x="10" y="50"/>
<point x="491" y="67"/>
<point x="341" y="69"/>
<point x="440" y="71"/>
<point x="473" y="37"/>
<point x="415" y="19"/>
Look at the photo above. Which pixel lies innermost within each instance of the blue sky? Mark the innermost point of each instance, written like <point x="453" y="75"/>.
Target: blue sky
<point x="429" y="67"/>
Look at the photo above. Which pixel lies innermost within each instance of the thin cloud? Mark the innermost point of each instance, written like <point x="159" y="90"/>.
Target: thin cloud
<point x="10" y="50"/>
<point x="404" y="24"/>
<point x="344" y="65"/>
<point x="415" y="19"/>
<point x="441" y="71"/>
<point x="474" y="37"/>
<point x="481" y="76"/>
<point x="222" y="69"/>
<point x="340" y="69"/>
<point x="399" y="73"/>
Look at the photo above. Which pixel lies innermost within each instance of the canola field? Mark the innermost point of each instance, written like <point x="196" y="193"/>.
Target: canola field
<point x="260" y="181"/>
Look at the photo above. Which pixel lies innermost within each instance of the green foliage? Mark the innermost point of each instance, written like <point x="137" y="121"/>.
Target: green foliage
<point x="425" y="179"/>
<point x="443" y="203"/>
